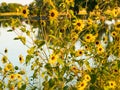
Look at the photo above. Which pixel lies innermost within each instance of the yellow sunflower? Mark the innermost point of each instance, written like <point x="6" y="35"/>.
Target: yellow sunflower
<point x="79" y="52"/>
<point x="100" y="49"/>
<point x="108" y="12"/>
<point x="12" y="77"/>
<point x="79" y="24"/>
<point x="87" y="78"/>
<point x="117" y="26"/>
<point x="114" y="34"/>
<point x="74" y="69"/>
<point x="9" y="66"/>
<point x="18" y="76"/>
<point x="86" y="47"/>
<point x="82" y="12"/>
<point x="6" y="50"/>
<point x="105" y="39"/>
<point x="114" y="12"/>
<point x="4" y="59"/>
<point x="74" y="37"/>
<point x="42" y="23"/>
<point x="97" y="43"/>
<point x="53" y="59"/>
<point x="12" y="87"/>
<point x="81" y="85"/>
<point x="25" y="11"/>
<point x="112" y="84"/>
<point x="53" y="14"/>
<point x="89" y="38"/>
<point x="21" y="59"/>
<point x="69" y="1"/>
<point x="89" y="21"/>
<point x="19" y="85"/>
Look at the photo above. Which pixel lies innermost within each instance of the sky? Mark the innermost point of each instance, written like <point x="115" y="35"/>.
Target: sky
<point x="24" y="2"/>
<point x="15" y="48"/>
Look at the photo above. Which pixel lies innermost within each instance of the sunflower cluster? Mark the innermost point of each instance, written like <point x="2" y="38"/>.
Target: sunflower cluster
<point x="72" y="45"/>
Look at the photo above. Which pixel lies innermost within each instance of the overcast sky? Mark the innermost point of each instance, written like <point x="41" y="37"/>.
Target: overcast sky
<point x="15" y="48"/>
<point x="24" y="2"/>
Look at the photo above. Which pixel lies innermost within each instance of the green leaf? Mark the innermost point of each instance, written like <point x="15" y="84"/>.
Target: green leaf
<point x="106" y="88"/>
<point x="60" y="61"/>
<point x="93" y="78"/>
<point x="92" y="88"/>
<point x="23" y="87"/>
<point x="51" y="83"/>
<point x="23" y="40"/>
<point x="21" y="72"/>
<point x="28" y="33"/>
<point x="28" y="58"/>
<point x="119" y="64"/>
<point x="9" y="30"/>
<point x="47" y="66"/>
<point x="65" y="88"/>
<point x="0" y="69"/>
<point x="39" y="43"/>
<point x="16" y="67"/>
<point x="31" y="50"/>
<point x="52" y="36"/>
<point x="23" y="29"/>
<point x="16" y="38"/>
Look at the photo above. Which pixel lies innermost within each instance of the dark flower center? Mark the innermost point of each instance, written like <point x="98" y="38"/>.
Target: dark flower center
<point x="100" y="49"/>
<point x="74" y="38"/>
<point x="61" y="30"/>
<point x="79" y="24"/>
<point x="52" y="14"/>
<point x="111" y="84"/>
<point x="118" y="26"/>
<point x="82" y="84"/>
<point x="5" y="50"/>
<point x="76" y="31"/>
<point x="86" y="47"/>
<point x="87" y="78"/>
<point x="42" y="23"/>
<point x="97" y="42"/>
<point x="12" y="76"/>
<point x="74" y="68"/>
<point x="80" y="52"/>
<point x="20" y="58"/>
<point x="116" y="70"/>
<point x="88" y="37"/>
<point x="24" y="11"/>
<point x="53" y="58"/>
<point x="113" y="34"/>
